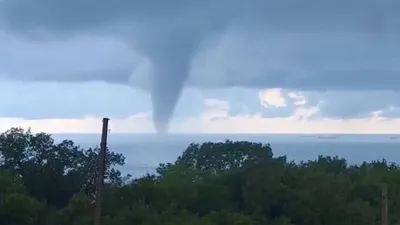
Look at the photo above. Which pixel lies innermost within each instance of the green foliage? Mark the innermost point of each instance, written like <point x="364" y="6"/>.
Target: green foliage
<point x="53" y="172"/>
<point x="232" y="183"/>
<point x="19" y="209"/>
<point x="9" y="183"/>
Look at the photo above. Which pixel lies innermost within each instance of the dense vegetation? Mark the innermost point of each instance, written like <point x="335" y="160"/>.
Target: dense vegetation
<point x="232" y="183"/>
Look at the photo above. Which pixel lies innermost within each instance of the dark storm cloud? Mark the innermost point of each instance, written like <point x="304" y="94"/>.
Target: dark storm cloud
<point x="285" y="15"/>
<point x="74" y="59"/>
<point x="308" y="45"/>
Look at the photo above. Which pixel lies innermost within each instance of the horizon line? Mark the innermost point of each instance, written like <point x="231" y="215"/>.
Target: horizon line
<point x="220" y="134"/>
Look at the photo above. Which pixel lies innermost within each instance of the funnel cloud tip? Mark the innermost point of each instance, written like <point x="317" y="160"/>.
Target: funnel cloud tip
<point x="161" y="127"/>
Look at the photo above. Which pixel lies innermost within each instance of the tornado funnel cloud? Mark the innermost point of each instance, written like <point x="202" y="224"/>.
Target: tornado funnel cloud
<point x="171" y="60"/>
<point x="168" y="80"/>
<point x="165" y="94"/>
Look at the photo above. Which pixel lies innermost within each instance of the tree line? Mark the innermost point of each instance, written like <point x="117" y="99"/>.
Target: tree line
<point x="226" y="183"/>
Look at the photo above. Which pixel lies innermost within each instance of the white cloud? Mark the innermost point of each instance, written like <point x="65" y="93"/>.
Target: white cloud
<point x="298" y="97"/>
<point x="216" y="105"/>
<point x="139" y="123"/>
<point x="272" y="98"/>
<point x="216" y="120"/>
<point x="38" y="100"/>
<point x="355" y="104"/>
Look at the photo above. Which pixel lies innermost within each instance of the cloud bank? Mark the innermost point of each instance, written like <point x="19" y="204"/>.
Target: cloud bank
<point x="216" y="119"/>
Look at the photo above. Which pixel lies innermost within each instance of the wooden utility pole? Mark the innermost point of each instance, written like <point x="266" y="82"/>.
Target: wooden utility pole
<point x="100" y="172"/>
<point x="384" y="205"/>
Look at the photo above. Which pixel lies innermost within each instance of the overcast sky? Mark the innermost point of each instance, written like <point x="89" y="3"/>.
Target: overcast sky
<point x="276" y="66"/>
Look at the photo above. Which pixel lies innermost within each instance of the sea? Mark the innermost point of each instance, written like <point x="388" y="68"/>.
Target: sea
<point x="144" y="152"/>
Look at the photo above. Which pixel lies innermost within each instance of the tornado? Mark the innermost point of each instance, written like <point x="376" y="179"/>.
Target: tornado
<point x="171" y="56"/>
<point x="167" y="82"/>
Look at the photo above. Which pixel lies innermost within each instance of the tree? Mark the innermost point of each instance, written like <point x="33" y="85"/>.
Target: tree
<point x="212" y="158"/>
<point x="238" y="183"/>
<point x="16" y="207"/>
<point x="9" y="183"/>
<point x="51" y="171"/>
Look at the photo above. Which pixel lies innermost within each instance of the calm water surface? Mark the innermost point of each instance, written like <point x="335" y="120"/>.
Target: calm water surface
<point x="145" y="151"/>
